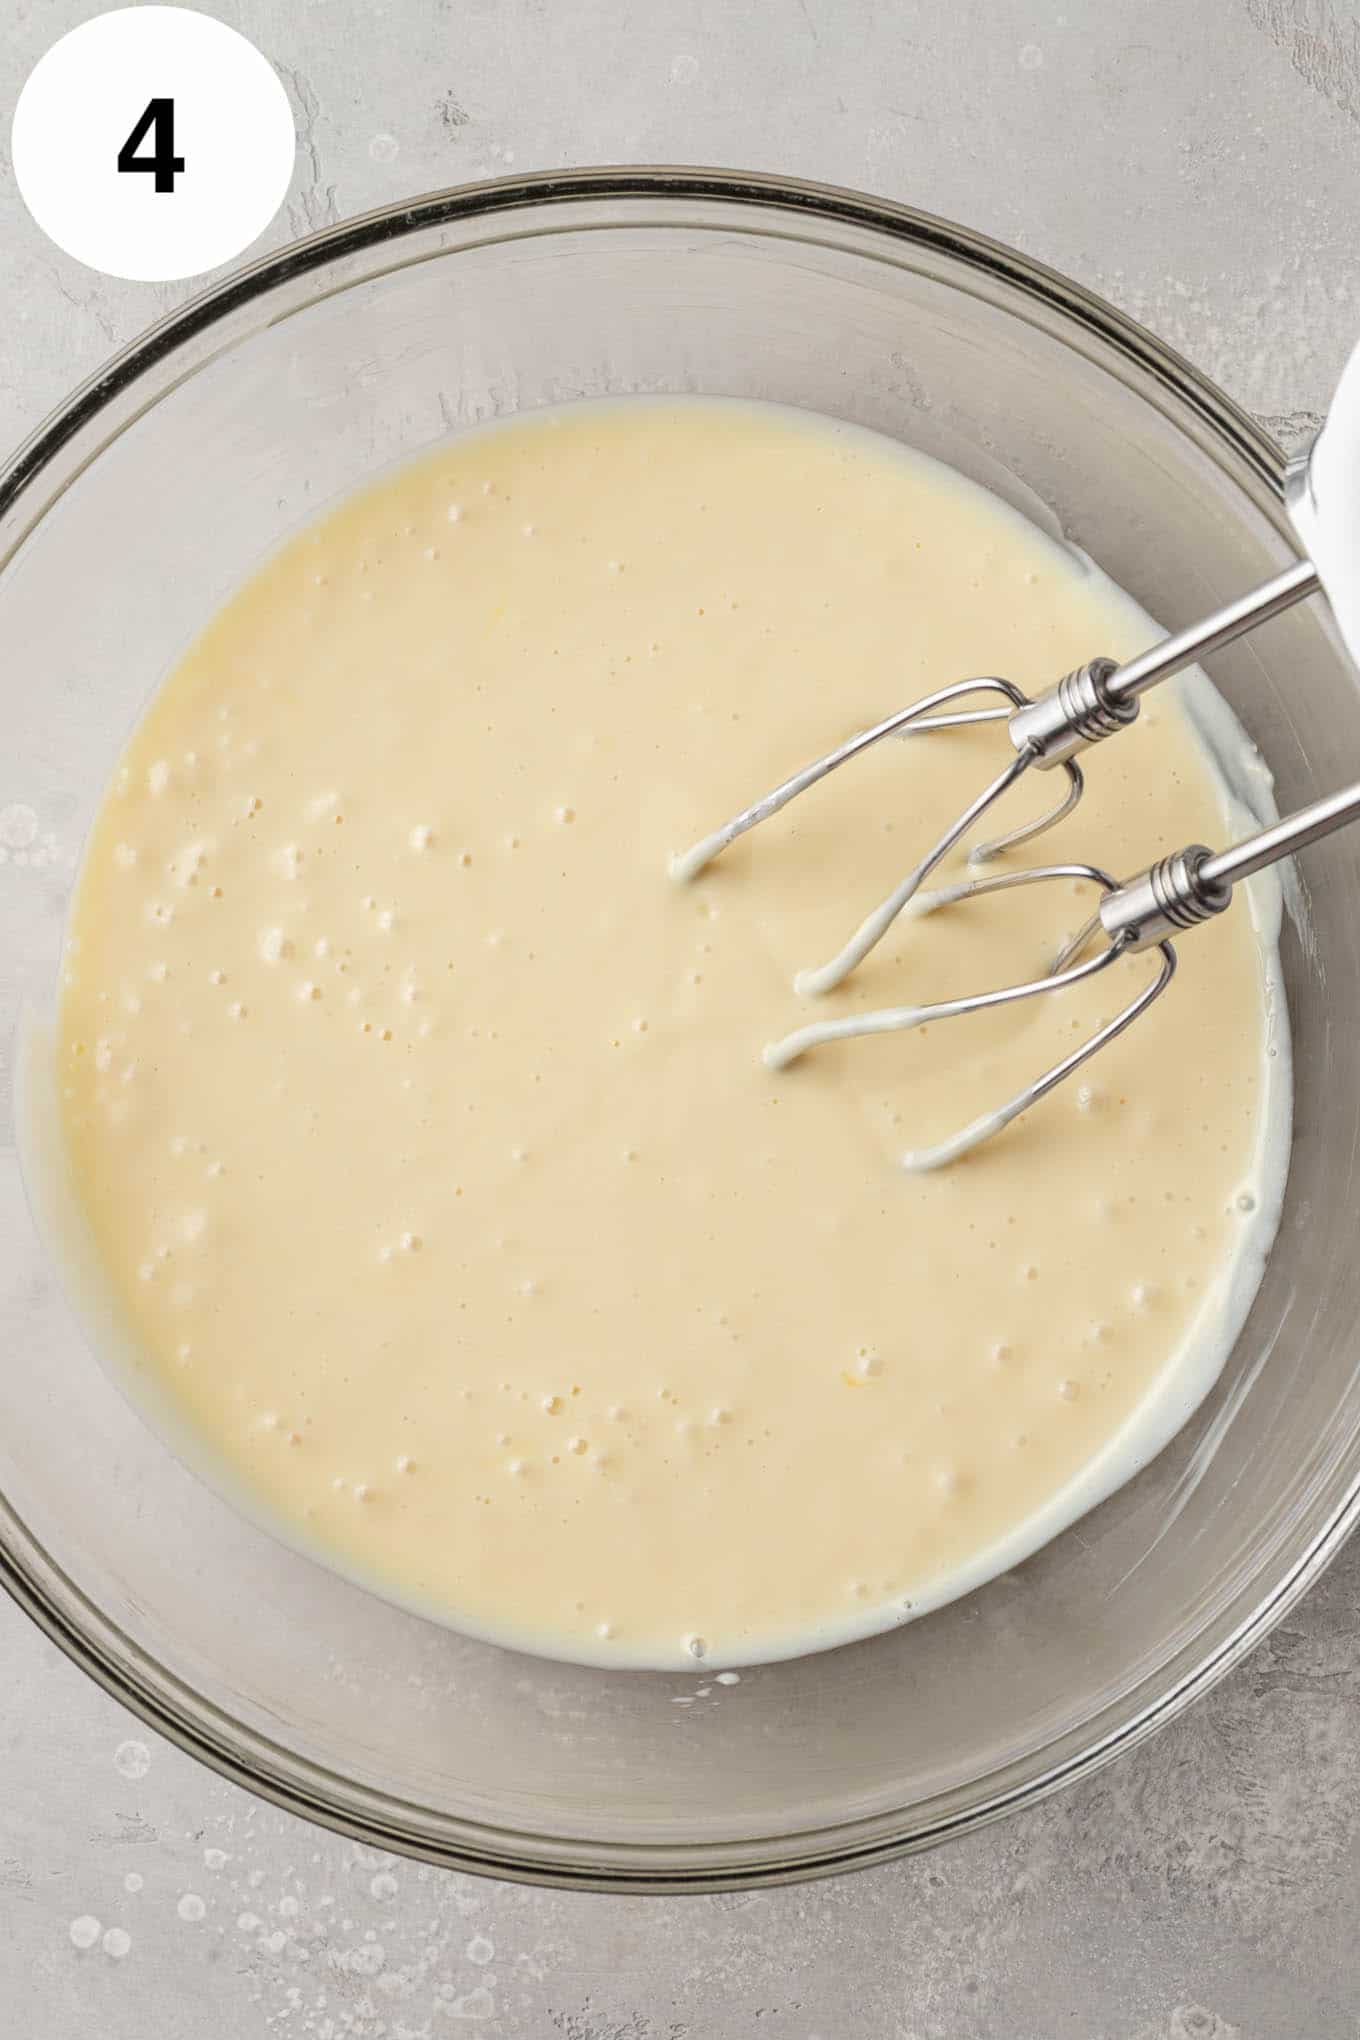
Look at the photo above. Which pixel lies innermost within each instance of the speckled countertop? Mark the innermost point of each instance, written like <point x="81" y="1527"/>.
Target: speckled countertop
<point x="1199" y="164"/>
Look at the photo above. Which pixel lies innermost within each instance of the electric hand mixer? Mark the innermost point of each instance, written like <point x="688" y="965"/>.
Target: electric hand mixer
<point x="1049" y="732"/>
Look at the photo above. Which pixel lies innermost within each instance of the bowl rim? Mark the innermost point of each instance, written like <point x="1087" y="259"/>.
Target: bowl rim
<point x="37" y="1583"/>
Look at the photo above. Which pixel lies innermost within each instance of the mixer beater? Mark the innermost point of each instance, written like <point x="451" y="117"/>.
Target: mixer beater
<point x="1176" y="893"/>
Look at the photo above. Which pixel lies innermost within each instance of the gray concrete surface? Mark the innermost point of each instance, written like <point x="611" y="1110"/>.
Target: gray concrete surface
<point x="1200" y="164"/>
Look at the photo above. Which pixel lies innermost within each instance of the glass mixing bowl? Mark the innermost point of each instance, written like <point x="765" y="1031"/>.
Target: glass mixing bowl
<point x="135" y="511"/>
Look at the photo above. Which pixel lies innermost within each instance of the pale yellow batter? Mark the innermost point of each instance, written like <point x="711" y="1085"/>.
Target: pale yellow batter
<point x="418" y="1117"/>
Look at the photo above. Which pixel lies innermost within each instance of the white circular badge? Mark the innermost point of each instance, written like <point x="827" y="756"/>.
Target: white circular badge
<point x="153" y="143"/>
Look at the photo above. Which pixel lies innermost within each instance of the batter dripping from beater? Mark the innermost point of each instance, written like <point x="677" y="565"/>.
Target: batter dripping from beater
<point x="415" y="1120"/>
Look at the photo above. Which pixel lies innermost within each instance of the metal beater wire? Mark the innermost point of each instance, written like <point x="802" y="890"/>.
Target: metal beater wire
<point x="1062" y="975"/>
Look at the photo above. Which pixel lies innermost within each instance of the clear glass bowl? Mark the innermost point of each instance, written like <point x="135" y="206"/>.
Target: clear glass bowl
<point x="135" y="510"/>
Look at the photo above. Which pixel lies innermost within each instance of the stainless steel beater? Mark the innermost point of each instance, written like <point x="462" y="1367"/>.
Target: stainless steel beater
<point x="1176" y="893"/>
<point x="1085" y="708"/>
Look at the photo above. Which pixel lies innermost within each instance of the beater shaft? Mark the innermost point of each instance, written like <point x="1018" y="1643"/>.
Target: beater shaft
<point x="1101" y="698"/>
<point x="1192" y="886"/>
